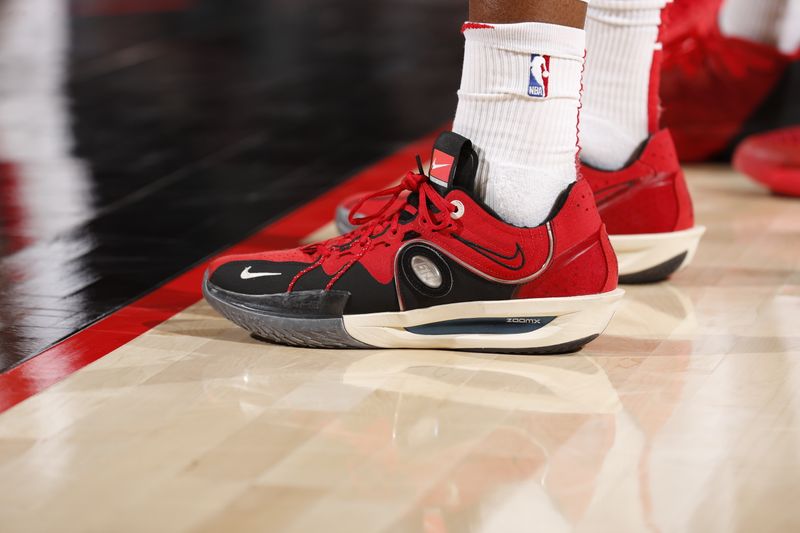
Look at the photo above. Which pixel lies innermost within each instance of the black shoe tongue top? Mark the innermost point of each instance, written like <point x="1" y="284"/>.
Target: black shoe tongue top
<point x="454" y="164"/>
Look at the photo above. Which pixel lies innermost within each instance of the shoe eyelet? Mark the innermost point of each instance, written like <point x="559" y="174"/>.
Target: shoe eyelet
<point x="460" y="210"/>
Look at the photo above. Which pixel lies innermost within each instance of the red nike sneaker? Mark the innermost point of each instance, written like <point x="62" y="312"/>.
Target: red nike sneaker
<point x="683" y="18"/>
<point x="438" y="270"/>
<point x="772" y="159"/>
<point x="648" y="212"/>
<point x="646" y="208"/>
<point x="711" y="85"/>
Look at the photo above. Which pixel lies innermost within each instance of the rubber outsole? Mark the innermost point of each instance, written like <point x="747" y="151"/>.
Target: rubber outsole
<point x="558" y="349"/>
<point x="290" y="331"/>
<point x="655" y="274"/>
<point x="331" y="332"/>
<point x="654" y="257"/>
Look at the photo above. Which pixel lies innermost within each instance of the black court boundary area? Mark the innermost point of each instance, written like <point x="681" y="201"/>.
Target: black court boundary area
<point x="196" y="128"/>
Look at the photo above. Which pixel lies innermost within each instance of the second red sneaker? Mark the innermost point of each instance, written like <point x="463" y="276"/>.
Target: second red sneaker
<point x="681" y="19"/>
<point x="772" y="159"/>
<point x="712" y="85"/>
<point x="646" y="207"/>
<point x="648" y="211"/>
<point x="436" y="270"/>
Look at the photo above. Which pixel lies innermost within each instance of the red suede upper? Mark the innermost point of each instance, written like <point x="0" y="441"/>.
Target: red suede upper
<point x="648" y="196"/>
<point x="780" y="147"/>
<point x="583" y="261"/>
<point x="772" y="159"/>
<point x="575" y="236"/>
<point x="684" y="18"/>
<point x="711" y="84"/>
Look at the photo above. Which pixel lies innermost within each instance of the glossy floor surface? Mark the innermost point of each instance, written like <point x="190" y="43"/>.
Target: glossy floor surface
<point x="685" y="416"/>
<point x="138" y="137"/>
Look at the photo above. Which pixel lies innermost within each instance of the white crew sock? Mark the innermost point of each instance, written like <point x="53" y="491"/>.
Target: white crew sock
<point x="621" y="40"/>
<point x="518" y="103"/>
<point x="753" y="20"/>
<point x="789" y="35"/>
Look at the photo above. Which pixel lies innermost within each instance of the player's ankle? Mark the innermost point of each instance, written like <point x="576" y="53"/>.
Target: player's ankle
<point x="619" y="101"/>
<point x="518" y="102"/>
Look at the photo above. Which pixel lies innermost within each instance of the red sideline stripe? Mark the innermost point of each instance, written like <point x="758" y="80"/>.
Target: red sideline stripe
<point x="124" y="325"/>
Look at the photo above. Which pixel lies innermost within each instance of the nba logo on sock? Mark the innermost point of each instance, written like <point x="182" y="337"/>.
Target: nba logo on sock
<point x="540" y="76"/>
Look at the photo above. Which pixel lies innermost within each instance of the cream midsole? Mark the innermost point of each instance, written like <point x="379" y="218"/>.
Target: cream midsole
<point x="636" y="253"/>
<point x="577" y="317"/>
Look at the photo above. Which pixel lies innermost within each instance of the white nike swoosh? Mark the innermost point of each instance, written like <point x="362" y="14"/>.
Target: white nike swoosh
<point x="435" y="166"/>
<point x="246" y="274"/>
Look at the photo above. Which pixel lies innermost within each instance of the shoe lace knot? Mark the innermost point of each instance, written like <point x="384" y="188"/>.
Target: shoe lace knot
<point x="432" y="211"/>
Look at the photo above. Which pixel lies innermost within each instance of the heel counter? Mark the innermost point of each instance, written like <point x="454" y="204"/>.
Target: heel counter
<point x="583" y="260"/>
<point x="683" y="202"/>
<point x="589" y="267"/>
<point x="578" y="218"/>
<point x="662" y="203"/>
<point x="612" y="266"/>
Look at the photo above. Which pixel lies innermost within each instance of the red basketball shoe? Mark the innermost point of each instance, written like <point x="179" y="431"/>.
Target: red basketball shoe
<point x="645" y="206"/>
<point x="683" y="18"/>
<point x="438" y="270"/>
<point x="772" y="159"/>
<point x="711" y="85"/>
<point x="648" y="212"/>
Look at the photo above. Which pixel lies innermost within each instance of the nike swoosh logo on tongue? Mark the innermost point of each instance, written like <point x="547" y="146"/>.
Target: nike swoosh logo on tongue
<point x="441" y="167"/>
<point x="246" y="274"/>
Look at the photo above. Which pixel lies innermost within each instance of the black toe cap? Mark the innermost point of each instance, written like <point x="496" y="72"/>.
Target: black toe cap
<point x="255" y="277"/>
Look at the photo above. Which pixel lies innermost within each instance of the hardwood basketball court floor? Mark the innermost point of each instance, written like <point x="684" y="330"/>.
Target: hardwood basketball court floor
<point x="139" y="138"/>
<point x="682" y="417"/>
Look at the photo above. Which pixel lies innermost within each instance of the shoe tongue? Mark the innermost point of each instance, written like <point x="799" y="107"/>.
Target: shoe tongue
<point x="454" y="164"/>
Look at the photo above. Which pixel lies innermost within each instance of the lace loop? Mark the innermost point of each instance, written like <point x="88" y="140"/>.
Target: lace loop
<point x="374" y="229"/>
<point x="411" y="182"/>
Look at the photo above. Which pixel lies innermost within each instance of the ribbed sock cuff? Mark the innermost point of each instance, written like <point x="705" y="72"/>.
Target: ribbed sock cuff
<point x="549" y="39"/>
<point x="626" y="12"/>
<point x="499" y="60"/>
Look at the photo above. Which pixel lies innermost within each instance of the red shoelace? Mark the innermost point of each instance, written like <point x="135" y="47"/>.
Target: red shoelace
<point x="383" y="226"/>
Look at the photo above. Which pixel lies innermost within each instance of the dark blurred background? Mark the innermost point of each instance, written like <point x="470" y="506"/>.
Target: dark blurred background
<point x="138" y="137"/>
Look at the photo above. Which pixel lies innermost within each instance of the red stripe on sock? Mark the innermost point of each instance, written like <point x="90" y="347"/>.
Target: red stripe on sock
<point x="654" y="96"/>
<point x="475" y="26"/>
<point x="578" y="124"/>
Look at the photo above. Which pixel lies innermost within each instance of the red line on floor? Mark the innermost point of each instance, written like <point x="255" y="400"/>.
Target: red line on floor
<point x="131" y="321"/>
